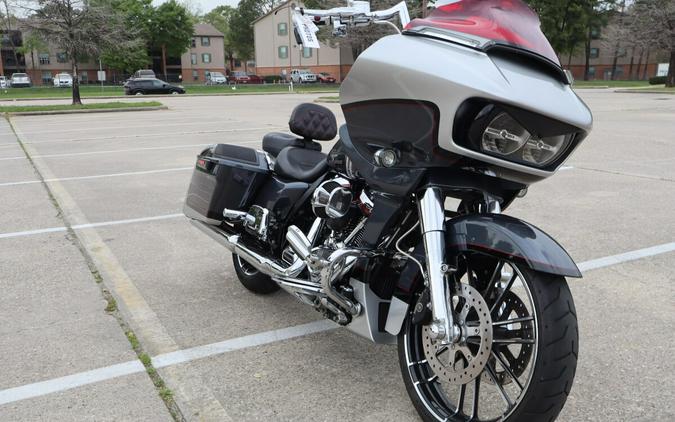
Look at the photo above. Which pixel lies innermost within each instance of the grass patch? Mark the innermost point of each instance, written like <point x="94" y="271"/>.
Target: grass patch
<point x="118" y="91"/>
<point x="610" y="84"/>
<point x="112" y="303"/>
<point x="335" y="99"/>
<point x="91" y="106"/>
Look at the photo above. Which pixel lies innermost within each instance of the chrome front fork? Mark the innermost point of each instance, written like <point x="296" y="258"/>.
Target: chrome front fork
<point x="432" y="219"/>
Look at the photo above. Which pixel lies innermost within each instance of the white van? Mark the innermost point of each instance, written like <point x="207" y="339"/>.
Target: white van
<point x="63" y="80"/>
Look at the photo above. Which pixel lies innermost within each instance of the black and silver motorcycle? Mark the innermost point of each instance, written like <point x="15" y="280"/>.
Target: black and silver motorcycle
<point x="443" y="113"/>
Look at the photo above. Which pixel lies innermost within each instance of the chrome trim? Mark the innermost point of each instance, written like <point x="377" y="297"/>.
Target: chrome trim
<point x="432" y="219"/>
<point x="256" y="220"/>
<point x="234" y="216"/>
<point x="261" y="263"/>
<point x="298" y="242"/>
<point x="194" y="215"/>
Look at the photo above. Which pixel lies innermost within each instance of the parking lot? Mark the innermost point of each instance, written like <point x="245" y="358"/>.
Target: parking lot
<point x="91" y="207"/>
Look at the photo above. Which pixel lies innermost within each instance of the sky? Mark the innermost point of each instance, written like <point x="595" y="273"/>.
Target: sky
<point x="202" y="6"/>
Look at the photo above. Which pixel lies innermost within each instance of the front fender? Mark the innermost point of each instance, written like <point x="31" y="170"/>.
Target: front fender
<point x="511" y="239"/>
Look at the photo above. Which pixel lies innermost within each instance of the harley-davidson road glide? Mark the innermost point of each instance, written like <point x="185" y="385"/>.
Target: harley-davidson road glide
<point x="398" y="232"/>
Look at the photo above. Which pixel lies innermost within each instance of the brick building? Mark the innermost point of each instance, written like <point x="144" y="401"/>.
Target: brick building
<point x="276" y="50"/>
<point x="206" y="54"/>
<point x="632" y="63"/>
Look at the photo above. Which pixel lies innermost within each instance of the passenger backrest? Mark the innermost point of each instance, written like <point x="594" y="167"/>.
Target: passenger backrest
<point x="312" y="121"/>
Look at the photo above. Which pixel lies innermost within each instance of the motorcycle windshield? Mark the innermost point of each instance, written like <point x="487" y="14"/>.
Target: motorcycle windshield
<point x="505" y="22"/>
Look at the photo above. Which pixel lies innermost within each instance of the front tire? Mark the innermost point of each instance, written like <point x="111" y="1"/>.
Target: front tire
<point x="539" y="376"/>
<point x="251" y="278"/>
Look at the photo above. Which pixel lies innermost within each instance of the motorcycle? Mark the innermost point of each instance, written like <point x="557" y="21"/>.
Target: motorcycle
<point x="398" y="233"/>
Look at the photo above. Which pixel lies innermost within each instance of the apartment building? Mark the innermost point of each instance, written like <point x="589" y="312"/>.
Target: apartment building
<point x="632" y="63"/>
<point x="206" y="54"/>
<point x="277" y="53"/>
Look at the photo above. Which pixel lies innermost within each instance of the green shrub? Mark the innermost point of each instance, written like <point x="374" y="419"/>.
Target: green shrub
<point x="657" y="80"/>
<point x="272" y="79"/>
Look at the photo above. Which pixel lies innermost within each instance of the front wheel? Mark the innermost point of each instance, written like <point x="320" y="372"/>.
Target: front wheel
<point x="517" y="355"/>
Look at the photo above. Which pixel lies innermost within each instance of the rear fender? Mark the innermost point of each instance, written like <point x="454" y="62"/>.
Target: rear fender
<point x="510" y="239"/>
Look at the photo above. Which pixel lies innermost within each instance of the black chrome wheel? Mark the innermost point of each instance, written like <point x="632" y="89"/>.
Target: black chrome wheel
<point x="516" y="357"/>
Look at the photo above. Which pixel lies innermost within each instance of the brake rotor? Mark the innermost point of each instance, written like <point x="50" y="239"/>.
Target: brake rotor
<point x="461" y="362"/>
<point x="518" y="357"/>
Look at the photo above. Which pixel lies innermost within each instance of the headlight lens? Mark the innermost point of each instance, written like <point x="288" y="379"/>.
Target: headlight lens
<point x="505" y="137"/>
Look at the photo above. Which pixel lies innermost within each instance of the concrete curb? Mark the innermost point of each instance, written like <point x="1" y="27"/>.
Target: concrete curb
<point x="84" y="111"/>
<point x="643" y="91"/>
<point x="113" y="97"/>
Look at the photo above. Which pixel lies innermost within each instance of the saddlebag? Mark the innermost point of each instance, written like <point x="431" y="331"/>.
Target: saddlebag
<point x="225" y="176"/>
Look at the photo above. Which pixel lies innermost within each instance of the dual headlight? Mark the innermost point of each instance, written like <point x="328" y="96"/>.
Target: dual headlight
<point x="514" y="135"/>
<point x="505" y="137"/>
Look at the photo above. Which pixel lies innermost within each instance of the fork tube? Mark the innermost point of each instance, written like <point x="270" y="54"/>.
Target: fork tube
<point x="432" y="217"/>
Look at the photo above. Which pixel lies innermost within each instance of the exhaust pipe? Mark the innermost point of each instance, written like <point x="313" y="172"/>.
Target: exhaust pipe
<point x="259" y="262"/>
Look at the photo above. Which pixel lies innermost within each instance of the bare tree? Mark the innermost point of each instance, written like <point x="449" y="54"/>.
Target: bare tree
<point x="81" y="28"/>
<point x="652" y="25"/>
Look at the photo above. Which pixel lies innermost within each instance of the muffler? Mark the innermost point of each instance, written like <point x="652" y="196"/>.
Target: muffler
<point x="259" y="262"/>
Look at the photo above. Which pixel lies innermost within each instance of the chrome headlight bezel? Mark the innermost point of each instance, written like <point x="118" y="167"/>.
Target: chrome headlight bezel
<point x="514" y="135"/>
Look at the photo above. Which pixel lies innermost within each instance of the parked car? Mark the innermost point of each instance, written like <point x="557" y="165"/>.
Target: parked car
<point x="255" y="79"/>
<point x="3" y="82"/>
<point x="325" y="78"/>
<point x="216" y="78"/>
<point x="145" y="86"/>
<point x="241" y="77"/>
<point x="302" y="76"/>
<point x="63" y="80"/>
<point x="20" y="80"/>
<point x="145" y="73"/>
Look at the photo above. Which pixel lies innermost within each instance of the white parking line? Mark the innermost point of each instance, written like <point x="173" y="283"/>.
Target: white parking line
<point x="114" y="151"/>
<point x="150" y="135"/>
<point x="89" y="225"/>
<point x="42" y="388"/>
<point x="97" y="176"/>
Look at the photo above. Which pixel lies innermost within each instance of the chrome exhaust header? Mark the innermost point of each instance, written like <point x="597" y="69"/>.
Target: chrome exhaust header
<point x="259" y="262"/>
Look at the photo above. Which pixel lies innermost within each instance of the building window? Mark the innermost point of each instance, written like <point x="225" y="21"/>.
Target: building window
<point x="595" y="33"/>
<point x="193" y="58"/>
<point x="595" y="52"/>
<point x="237" y="63"/>
<point x="282" y="29"/>
<point x="61" y="57"/>
<point x="591" y="71"/>
<point x="306" y="52"/>
<point x="195" y="75"/>
<point x="44" y="58"/>
<point x="206" y="58"/>
<point x="283" y="52"/>
<point x="193" y="43"/>
<point x="46" y="77"/>
<point x="84" y="78"/>
<point x="206" y="41"/>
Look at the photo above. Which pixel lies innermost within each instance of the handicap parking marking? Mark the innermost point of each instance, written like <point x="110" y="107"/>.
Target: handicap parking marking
<point x="98" y="176"/>
<point x="178" y="357"/>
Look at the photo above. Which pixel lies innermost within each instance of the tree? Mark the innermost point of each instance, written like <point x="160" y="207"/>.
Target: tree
<point x="79" y="28"/>
<point x="171" y="29"/>
<point x="131" y="55"/>
<point x="31" y="43"/>
<point x="563" y="22"/>
<point x="240" y="35"/>
<point x="652" y="23"/>
<point x="220" y="18"/>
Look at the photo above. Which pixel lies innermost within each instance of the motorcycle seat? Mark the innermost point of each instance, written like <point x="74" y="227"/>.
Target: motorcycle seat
<point x="300" y="164"/>
<point x="274" y="142"/>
